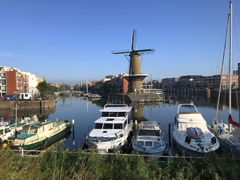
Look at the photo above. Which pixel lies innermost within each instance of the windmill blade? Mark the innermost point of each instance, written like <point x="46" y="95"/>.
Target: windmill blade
<point x="133" y="44"/>
<point x="121" y="52"/>
<point x="144" y="50"/>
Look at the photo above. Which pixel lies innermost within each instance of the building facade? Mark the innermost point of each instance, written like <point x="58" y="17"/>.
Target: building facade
<point x="13" y="82"/>
<point x="200" y="82"/>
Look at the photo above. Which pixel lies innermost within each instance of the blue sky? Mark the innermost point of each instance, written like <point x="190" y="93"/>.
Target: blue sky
<point x="71" y="40"/>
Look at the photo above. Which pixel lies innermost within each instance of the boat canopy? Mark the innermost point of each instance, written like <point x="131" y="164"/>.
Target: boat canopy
<point x="149" y="125"/>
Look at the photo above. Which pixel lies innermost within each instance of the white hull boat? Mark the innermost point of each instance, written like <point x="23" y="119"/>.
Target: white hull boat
<point x="190" y="131"/>
<point x="111" y="131"/>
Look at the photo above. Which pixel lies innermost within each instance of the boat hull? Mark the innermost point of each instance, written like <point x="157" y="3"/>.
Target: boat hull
<point x="191" y="150"/>
<point x="228" y="147"/>
<point x="46" y="141"/>
<point x="112" y="145"/>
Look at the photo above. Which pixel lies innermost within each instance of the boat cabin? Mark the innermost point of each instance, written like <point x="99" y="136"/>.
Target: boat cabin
<point x="113" y="120"/>
<point x="40" y="127"/>
<point x="189" y="118"/>
<point x="148" y="143"/>
<point x="5" y="133"/>
<point x="110" y="124"/>
<point x="114" y="117"/>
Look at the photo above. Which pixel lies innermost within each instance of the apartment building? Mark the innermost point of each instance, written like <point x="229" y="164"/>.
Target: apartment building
<point x="169" y="83"/>
<point x="13" y="81"/>
<point x="200" y="82"/>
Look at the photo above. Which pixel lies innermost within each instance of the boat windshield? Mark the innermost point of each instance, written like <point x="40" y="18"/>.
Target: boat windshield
<point x="121" y="114"/>
<point x="98" y="126"/>
<point x="139" y="143"/>
<point x="104" y="114"/>
<point x="187" y="109"/>
<point x="1" y="132"/>
<point x="149" y="133"/>
<point x="107" y="126"/>
<point x="33" y="130"/>
<point x="7" y="130"/>
<point x="118" y="126"/>
<point x="113" y="114"/>
<point x="156" y="144"/>
<point x="148" y="143"/>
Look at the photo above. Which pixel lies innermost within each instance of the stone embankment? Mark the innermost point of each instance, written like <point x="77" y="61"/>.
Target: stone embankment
<point x="33" y="104"/>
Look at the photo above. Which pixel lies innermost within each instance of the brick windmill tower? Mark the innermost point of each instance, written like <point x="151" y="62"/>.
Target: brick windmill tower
<point x="135" y="76"/>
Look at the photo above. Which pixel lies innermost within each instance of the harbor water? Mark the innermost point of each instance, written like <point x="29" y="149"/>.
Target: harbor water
<point x="84" y="112"/>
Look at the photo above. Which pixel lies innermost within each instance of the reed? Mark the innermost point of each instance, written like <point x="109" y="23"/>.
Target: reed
<point x="80" y="165"/>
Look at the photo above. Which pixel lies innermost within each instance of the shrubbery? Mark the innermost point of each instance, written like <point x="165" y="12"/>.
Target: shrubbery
<point x="80" y="165"/>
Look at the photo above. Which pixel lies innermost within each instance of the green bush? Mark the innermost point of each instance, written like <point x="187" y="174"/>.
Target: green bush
<point x="81" y="165"/>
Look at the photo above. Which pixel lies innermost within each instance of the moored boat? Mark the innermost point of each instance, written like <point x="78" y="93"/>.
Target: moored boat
<point x="149" y="139"/>
<point x="112" y="130"/>
<point x="190" y="131"/>
<point x="229" y="136"/>
<point x="5" y="133"/>
<point x="41" y="134"/>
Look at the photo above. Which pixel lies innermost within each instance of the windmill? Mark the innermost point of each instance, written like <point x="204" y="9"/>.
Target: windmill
<point x="135" y="76"/>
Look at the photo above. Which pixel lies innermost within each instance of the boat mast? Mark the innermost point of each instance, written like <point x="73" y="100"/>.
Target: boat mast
<point x="230" y="61"/>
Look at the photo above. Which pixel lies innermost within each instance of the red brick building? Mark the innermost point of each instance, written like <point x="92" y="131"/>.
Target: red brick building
<point x="11" y="82"/>
<point x="16" y="82"/>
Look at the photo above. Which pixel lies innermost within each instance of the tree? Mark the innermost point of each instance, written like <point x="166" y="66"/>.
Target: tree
<point x="43" y="88"/>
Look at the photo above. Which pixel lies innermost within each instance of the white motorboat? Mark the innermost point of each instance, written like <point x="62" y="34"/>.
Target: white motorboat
<point x="190" y="131"/>
<point x="110" y="131"/>
<point x="149" y="139"/>
<point x="229" y="136"/>
<point x="5" y="133"/>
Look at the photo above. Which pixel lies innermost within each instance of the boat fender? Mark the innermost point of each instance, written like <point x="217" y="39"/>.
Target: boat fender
<point x="213" y="140"/>
<point x="188" y="139"/>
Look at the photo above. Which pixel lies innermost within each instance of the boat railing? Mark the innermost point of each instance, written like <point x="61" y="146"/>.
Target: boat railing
<point x="115" y="105"/>
<point x="162" y="158"/>
<point x="187" y="105"/>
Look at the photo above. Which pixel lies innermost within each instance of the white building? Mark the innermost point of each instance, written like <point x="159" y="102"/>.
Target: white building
<point x="32" y="83"/>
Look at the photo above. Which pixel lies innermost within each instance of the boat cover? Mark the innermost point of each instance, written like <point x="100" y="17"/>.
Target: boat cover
<point x="231" y="121"/>
<point x="195" y="133"/>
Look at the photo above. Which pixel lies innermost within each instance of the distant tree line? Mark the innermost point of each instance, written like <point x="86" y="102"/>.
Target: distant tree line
<point x="45" y="88"/>
<point x="99" y="88"/>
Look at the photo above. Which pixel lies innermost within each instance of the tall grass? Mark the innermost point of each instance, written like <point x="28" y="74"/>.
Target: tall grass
<point x="79" y="165"/>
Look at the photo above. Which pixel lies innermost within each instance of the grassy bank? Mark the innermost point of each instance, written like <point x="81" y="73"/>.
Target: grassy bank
<point x="79" y="165"/>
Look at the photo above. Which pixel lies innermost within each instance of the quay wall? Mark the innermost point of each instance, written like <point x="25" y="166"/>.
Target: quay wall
<point x="131" y="97"/>
<point x="33" y="104"/>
